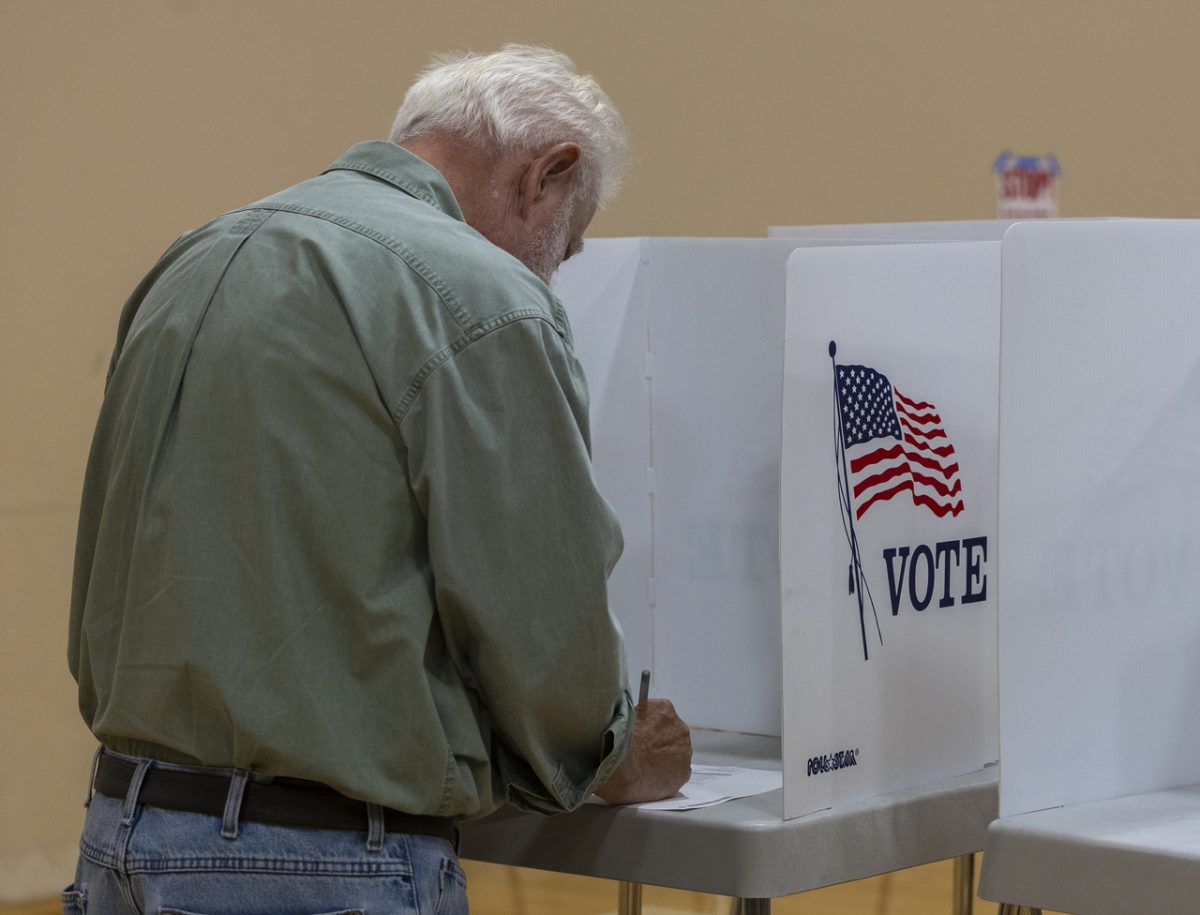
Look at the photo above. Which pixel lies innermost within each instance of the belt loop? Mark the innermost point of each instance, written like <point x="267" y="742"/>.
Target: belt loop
<point x="233" y="803"/>
<point x="135" y="788"/>
<point x="87" y="801"/>
<point x="374" y="828"/>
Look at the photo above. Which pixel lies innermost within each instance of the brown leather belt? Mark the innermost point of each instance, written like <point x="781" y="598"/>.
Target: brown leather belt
<point x="281" y="802"/>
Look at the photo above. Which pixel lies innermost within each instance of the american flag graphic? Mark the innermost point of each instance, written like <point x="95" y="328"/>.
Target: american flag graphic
<point x="914" y="456"/>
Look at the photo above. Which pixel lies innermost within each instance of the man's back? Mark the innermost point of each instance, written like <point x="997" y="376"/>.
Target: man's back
<point x="339" y="493"/>
<point x="341" y="567"/>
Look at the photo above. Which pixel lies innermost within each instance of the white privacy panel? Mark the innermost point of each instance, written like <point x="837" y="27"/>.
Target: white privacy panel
<point x="716" y="338"/>
<point x="682" y="342"/>
<point x="601" y="291"/>
<point x="1099" y="492"/>
<point x="888" y="518"/>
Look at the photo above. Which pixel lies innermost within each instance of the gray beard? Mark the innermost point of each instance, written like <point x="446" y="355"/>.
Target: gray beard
<point x="543" y="253"/>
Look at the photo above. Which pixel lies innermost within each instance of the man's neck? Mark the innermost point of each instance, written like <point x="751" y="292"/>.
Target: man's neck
<point x="480" y="178"/>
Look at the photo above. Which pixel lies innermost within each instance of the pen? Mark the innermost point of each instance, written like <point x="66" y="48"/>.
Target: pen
<point x="644" y="690"/>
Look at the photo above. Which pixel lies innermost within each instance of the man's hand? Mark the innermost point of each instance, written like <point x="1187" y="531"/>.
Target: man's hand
<point x="659" y="761"/>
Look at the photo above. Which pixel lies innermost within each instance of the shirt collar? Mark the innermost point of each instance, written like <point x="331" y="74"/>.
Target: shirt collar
<point x="401" y="169"/>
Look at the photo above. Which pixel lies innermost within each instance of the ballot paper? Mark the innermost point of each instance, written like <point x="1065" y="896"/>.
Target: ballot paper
<point x="711" y="785"/>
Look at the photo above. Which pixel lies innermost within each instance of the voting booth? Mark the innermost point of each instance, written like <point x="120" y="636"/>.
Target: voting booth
<point x="785" y="572"/>
<point x="816" y="599"/>
<point x="900" y="501"/>
<point x="1099" y="569"/>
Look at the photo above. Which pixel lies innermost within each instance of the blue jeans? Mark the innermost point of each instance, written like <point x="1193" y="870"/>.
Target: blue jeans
<point x="140" y="860"/>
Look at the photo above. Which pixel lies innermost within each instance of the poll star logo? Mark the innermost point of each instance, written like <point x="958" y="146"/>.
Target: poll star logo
<point x="889" y="444"/>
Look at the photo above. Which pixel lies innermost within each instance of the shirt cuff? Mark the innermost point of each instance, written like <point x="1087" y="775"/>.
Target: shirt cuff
<point x="568" y="793"/>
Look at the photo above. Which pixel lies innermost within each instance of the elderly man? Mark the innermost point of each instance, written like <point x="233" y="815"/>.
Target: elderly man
<point x="340" y="575"/>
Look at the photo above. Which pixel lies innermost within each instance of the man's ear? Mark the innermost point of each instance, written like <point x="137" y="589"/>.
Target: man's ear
<point x="549" y="174"/>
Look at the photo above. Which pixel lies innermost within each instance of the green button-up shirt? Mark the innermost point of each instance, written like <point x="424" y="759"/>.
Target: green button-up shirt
<point x="339" y="520"/>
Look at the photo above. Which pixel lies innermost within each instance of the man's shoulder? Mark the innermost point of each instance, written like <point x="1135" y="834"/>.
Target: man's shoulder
<point x="488" y="283"/>
<point x="364" y="219"/>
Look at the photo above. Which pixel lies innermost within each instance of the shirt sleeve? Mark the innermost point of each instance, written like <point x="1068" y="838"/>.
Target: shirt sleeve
<point x="520" y="545"/>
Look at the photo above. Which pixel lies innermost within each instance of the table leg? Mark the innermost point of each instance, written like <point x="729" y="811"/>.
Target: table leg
<point x="964" y="885"/>
<point x="746" y="906"/>
<point x="629" y="898"/>
<point x="1007" y="908"/>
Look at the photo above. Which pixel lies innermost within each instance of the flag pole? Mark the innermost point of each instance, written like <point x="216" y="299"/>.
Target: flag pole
<point x="856" y="562"/>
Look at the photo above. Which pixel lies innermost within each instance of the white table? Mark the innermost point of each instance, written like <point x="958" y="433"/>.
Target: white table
<point x="1128" y="856"/>
<point x="745" y="848"/>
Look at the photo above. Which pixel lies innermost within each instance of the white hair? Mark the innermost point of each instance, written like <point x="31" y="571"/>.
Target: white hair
<point x="518" y="99"/>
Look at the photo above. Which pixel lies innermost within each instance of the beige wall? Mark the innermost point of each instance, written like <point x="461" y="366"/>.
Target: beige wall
<point x="126" y="122"/>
